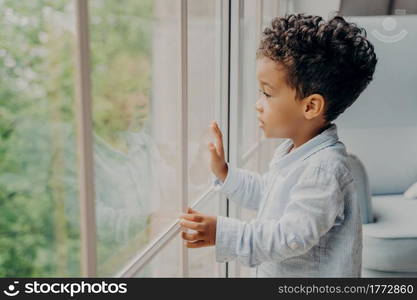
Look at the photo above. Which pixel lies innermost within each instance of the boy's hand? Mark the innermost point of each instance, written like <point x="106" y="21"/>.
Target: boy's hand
<point x="218" y="163"/>
<point x="204" y="225"/>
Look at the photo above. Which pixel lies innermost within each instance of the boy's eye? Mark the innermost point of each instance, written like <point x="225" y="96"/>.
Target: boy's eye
<point x="266" y="95"/>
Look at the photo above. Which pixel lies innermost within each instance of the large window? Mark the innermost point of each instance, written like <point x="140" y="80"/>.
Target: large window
<point x="107" y="203"/>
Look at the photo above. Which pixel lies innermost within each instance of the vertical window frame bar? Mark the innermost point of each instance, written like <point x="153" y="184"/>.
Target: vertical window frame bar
<point x="85" y="143"/>
<point x="183" y="116"/>
<point x="236" y="15"/>
<point x="222" y="110"/>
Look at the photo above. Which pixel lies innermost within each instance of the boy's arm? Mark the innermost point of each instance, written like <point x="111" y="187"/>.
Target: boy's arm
<point x="242" y="186"/>
<point x="316" y="201"/>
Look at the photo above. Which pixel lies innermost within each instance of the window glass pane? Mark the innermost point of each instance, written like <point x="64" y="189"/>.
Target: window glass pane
<point x="248" y="85"/>
<point x="166" y="263"/>
<point x="202" y="261"/>
<point x="39" y="212"/>
<point x="135" y="65"/>
<point x="204" y="65"/>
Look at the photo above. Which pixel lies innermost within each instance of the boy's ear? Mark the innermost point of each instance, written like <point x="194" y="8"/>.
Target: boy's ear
<point x="313" y="106"/>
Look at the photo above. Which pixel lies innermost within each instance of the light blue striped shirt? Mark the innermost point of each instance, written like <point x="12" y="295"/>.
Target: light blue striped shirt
<point x="308" y="220"/>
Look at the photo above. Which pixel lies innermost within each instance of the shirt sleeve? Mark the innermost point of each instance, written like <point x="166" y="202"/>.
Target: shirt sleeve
<point x="242" y="186"/>
<point x="316" y="200"/>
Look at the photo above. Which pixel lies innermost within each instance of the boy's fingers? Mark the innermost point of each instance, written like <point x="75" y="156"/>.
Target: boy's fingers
<point x="191" y="236"/>
<point x="191" y="225"/>
<point x="217" y="129"/>
<point x="197" y="244"/>
<point x="220" y="147"/>
<point x="219" y="137"/>
<point x="211" y="146"/>
<point x="216" y="155"/>
<point x="192" y="211"/>
<point x="192" y="217"/>
<point x="213" y="151"/>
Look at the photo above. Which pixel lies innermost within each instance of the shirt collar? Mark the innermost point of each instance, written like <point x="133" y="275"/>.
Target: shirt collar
<point x="282" y="159"/>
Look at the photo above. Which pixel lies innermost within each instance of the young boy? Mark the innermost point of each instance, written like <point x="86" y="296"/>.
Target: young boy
<point x="308" y="220"/>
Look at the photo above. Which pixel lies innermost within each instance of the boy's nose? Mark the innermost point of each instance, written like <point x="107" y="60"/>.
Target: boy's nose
<point x="258" y="106"/>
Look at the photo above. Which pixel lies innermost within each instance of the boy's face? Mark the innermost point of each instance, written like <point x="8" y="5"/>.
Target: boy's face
<point x="279" y="112"/>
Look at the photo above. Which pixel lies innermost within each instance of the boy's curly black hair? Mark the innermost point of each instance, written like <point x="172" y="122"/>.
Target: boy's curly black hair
<point x="332" y="58"/>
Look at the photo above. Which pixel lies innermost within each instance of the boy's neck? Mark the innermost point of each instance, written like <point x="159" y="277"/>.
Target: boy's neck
<point x="305" y="136"/>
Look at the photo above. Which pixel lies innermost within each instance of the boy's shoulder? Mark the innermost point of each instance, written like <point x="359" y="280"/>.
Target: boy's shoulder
<point x="332" y="159"/>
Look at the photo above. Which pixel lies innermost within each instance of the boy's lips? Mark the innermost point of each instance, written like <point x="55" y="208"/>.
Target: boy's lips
<point x="261" y="123"/>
